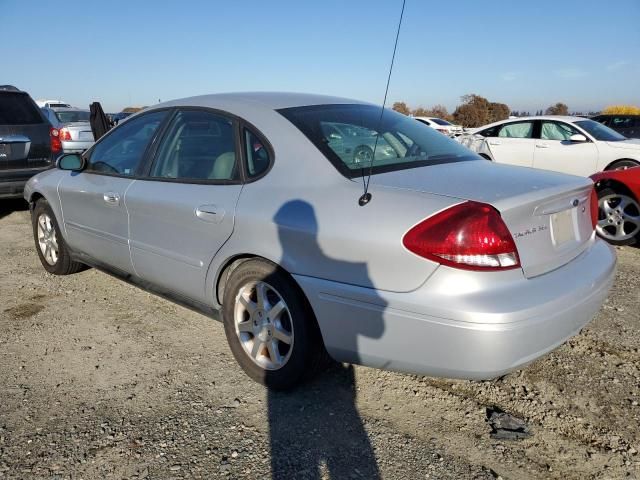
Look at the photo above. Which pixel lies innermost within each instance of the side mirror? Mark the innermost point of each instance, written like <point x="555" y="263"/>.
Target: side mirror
<point x="578" y="137"/>
<point x="71" y="161"/>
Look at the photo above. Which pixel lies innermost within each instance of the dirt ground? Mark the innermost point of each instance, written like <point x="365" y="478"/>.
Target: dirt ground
<point x="101" y="380"/>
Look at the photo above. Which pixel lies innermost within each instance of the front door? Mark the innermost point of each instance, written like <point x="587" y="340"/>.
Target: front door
<point x="95" y="216"/>
<point x="184" y="212"/>
<point x="555" y="151"/>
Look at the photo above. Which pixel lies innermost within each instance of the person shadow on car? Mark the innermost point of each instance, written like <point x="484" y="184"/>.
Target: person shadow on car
<point x="316" y="430"/>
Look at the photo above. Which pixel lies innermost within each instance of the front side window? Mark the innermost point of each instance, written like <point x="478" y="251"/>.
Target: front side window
<point x="258" y="158"/>
<point x="557" y="131"/>
<point x="199" y="145"/>
<point x="599" y="131"/>
<point x="348" y="134"/>
<point x="121" y="151"/>
<point x="517" y="130"/>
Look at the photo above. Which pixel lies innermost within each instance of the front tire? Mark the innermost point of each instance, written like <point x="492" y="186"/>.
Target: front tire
<point x="618" y="217"/>
<point x="52" y="250"/>
<point x="270" y="327"/>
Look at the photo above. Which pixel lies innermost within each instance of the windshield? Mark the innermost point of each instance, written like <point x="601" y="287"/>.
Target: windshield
<point x="599" y="131"/>
<point x="73" y="116"/>
<point x="347" y="134"/>
<point x="440" y="121"/>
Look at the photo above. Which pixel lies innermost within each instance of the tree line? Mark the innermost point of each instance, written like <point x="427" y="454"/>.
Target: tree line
<point x="476" y="111"/>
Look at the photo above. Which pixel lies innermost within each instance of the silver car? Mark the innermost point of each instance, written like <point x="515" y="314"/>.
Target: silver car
<point x="237" y="206"/>
<point x="72" y="127"/>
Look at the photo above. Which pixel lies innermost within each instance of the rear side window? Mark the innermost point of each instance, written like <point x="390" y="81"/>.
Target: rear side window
<point x="258" y="158"/>
<point x="517" y="130"/>
<point x="121" y="151"/>
<point x="18" y="109"/>
<point x="199" y="145"/>
<point x="348" y="134"/>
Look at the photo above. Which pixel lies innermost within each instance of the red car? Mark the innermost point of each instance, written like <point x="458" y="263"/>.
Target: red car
<point x="619" y="202"/>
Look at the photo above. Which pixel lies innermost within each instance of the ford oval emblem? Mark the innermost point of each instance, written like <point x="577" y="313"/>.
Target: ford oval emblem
<point x="575" y="202"/>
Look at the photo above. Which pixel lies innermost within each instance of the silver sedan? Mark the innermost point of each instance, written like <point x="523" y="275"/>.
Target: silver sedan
<point x="238" y="206"/>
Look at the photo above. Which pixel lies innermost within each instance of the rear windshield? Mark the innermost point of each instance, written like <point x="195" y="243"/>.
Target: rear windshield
<point x="439" y="121"/>
<point x="73" y="116"/>
<point x="18" y="109"/>
<point x="600" y="131"/>
<point x="348" y="135"/>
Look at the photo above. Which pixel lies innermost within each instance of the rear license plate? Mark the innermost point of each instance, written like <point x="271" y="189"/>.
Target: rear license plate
<point x="562" y="227"/>
<point x="85" y="136"/>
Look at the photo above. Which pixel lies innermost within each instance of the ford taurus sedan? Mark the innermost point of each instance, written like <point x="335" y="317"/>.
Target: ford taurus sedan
<point x="237" y="205"/>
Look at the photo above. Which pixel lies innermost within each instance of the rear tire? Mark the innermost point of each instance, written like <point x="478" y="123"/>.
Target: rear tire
<point x="52" y="250"/>
<point x="618" y="217"/>
<point x="270" y="327"/>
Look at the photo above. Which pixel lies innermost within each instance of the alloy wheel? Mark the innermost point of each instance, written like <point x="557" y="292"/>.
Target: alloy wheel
<point x="47" y="240"/>
<point x="618" y="217"/>
<point x="263" y="325"/>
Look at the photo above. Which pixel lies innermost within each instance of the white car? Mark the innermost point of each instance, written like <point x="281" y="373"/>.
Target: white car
<point x="52" y="104"/>
<point x="441" y="125"/>
<point x="574" y="145"/>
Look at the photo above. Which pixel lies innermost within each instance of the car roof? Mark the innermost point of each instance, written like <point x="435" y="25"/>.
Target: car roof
<point x="562" y="118"/>
<point x="261" y="100"/>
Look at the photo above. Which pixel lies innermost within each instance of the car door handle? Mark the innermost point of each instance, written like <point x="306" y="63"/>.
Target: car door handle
<point x="542" y="145"/>
<point x="495" y="142"/>
<point x="210" y="213"/>
<point x="111" y="198"/>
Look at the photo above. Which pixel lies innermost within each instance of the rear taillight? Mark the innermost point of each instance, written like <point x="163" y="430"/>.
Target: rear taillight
<point x="56" y="144"/>
<point x="594" y="207"/>
<point x="469" y="235"/>
<point x="443" y="131"/>
<point x="65" y="136"/>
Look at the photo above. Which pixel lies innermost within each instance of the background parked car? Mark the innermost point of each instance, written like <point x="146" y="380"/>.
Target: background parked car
<point x="52" y="104"/>
<point x="26" y="144"/>
<point x="627" y="125"/>
<point x="73" y="128"/>
<point x="575" y="145"/>
<point x="441" y="125"/>
<point x="619" y="205"/>
<point x="118" y="117"/>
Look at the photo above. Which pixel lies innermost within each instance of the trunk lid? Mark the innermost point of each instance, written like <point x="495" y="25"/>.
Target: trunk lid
<point x="547" y="213"/>
<point x="79" y="131"/>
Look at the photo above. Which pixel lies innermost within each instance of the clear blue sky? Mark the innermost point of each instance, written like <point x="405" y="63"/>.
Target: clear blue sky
<point x="585" y="53"/>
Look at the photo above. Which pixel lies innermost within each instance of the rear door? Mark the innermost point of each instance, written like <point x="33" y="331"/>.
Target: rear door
<point x="554" y="150"/>
<point x="513" y="143"/>
<point x="25" y="144"/>
<point x="94" y="211"/>
<point x="183" y="213"/>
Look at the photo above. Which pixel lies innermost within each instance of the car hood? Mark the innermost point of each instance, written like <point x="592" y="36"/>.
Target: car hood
<point x="631" y="144"/>
<point x="481" y="181"/>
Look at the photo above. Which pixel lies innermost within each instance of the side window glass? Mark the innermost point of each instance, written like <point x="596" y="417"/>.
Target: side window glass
<point x="556" y="131"/>
<point x="258" y="157"/>
<point x="199" y="145"/>
<point x="489" y="132"/>
<point x="517" y="130"/>
<point x="121" y="151"/>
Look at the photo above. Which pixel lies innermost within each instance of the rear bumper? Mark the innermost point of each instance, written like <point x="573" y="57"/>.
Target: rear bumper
<point x="76" y="147"/>
<point x="462" y="324"/>
<point x="12" y="182"/>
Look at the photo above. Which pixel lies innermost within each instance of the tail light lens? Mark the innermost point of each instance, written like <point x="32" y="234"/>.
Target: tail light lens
<point x="56" y="144"/>
<point x="65" y="136"/>
<point x="594" y="207"/>
<point x="470" y="235"/>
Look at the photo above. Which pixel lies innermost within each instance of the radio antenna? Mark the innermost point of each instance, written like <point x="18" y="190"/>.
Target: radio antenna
<point x="366" y="196"/>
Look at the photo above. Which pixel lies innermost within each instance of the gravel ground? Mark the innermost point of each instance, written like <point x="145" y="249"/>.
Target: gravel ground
<point x="101" y="380"/>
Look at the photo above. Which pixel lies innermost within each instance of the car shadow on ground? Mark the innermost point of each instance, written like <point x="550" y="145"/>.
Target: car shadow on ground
<point x="316" y="431"/>
<point x="8" y="206"/>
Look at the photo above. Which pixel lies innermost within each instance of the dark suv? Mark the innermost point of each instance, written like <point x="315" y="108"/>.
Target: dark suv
<point x="627" y="125"/>
<point x="27" y="141"/>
